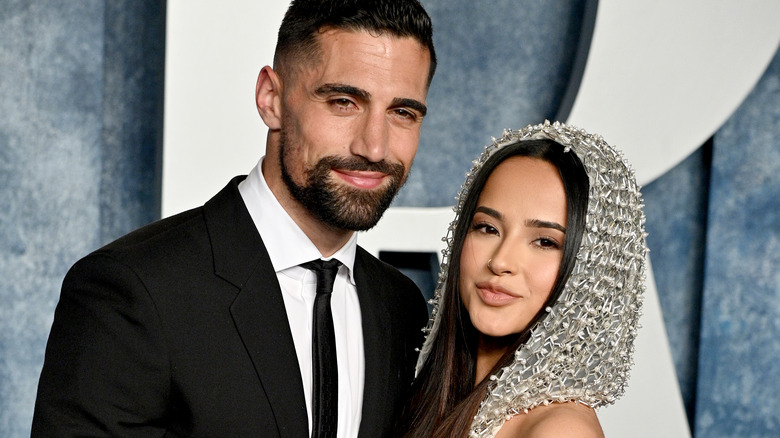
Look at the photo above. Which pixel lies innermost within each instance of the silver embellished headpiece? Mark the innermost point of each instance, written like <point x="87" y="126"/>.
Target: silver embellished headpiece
<point x="582" y="349"/>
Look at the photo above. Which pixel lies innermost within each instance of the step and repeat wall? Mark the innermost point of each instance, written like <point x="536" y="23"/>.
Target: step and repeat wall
<point x="690" y="91"/>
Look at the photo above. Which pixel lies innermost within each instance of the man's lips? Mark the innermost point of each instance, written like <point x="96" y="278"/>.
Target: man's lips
<point x="363" y="179"/>
<point x="495" y="295"/>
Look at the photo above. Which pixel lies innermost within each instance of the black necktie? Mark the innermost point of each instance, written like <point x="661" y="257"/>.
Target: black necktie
<point x="324" y="364"/>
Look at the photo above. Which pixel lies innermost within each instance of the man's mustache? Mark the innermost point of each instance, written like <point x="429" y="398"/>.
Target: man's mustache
<point x="362" y="164"/>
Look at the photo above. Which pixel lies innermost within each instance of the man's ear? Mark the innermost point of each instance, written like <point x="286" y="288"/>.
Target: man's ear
<point x="268" y="97"/>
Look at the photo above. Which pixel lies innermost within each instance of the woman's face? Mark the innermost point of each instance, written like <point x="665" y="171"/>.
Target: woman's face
<point x="513" y="250"/>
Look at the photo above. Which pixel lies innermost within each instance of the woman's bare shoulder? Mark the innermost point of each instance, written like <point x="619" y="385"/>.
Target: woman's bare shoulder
<point x="555" y="420"/>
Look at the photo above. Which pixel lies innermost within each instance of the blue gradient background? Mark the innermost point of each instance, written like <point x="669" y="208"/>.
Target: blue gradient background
<point x="80" y="140"/>
<point x="80" y="144"/>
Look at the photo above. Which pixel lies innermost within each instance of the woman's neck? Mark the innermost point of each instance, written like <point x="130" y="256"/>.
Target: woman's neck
<point x="489" y="351"/>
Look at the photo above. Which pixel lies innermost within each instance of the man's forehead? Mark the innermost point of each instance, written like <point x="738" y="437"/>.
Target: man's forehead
<point x="362" y="59"/>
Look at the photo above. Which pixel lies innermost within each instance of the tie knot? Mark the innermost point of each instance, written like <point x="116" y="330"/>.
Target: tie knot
<point x="326" y="271"/>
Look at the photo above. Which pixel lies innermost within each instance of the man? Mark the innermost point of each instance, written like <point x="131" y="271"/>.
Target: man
<point x="201" y="324"/>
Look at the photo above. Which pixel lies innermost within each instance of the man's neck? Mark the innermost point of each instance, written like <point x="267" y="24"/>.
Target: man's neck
<point x="326" y="238"/>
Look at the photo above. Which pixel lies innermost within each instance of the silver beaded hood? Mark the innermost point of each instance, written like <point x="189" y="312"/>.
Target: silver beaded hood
<point x="582" y="349"/>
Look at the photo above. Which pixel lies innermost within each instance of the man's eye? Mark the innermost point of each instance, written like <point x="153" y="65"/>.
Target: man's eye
<point x="406" y="114"/>
<point x="343" y="102"/>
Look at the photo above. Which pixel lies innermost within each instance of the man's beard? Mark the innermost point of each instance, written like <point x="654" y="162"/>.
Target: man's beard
<point x="338" y="205"/>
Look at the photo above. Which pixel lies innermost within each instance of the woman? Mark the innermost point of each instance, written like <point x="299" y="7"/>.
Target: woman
<point x="540" y="294"/>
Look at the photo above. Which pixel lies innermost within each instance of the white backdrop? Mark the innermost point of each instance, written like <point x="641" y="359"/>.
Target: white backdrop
<point x="212" y="132"/>
<point x="661" y="77"/>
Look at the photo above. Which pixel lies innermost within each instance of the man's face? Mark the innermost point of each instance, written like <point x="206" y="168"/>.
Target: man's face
<point x="351" y="125"/>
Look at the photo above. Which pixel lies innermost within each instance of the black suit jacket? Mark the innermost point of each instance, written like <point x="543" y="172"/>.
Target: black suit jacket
<point x="179" y="329"/>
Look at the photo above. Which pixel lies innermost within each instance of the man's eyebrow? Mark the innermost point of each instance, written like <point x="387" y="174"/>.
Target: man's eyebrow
<point x="327" y="89"/>
<point x="411" y="103"/>
<point x="537" y="223"/>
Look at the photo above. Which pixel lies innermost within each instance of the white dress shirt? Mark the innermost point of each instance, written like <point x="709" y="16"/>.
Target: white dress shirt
<point x="288" y="247"/>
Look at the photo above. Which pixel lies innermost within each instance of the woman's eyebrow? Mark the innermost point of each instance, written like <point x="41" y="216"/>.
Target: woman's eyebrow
<point x="538" y="223"/>
<point x="489" y="211"/>
<point x="535" y="223"/>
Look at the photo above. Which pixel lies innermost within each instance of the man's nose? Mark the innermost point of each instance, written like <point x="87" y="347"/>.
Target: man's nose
<point x="372" y="140"/>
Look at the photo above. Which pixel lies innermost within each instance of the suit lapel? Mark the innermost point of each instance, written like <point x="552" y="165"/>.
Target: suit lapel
<point x="261" y="320"/>
<point x="377" y="343"/>
<point x="258" y="310"/>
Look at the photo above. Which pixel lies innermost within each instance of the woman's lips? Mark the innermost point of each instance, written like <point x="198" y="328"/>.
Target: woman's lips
<point x="362" y="179"/>
<point x="494" y="295"/>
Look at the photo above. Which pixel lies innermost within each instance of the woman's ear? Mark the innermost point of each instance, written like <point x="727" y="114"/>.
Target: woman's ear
<point x="268" y="97"/>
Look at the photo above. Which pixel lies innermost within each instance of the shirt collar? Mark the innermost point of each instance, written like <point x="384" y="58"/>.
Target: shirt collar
<point x="287" y="245"/>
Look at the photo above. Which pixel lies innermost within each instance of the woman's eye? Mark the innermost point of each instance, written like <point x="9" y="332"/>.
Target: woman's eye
<point x="484" y="228"/>
<point x="547" y="243"/>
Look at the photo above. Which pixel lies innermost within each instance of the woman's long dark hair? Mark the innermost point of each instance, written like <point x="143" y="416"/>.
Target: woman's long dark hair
<point x="444" y="398"/>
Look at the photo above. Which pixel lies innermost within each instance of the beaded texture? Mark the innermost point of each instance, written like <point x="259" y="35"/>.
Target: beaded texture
<point x="582" y="349"/>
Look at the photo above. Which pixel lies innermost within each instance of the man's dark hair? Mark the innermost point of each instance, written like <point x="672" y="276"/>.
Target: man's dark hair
<point x="305" y="19"/>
